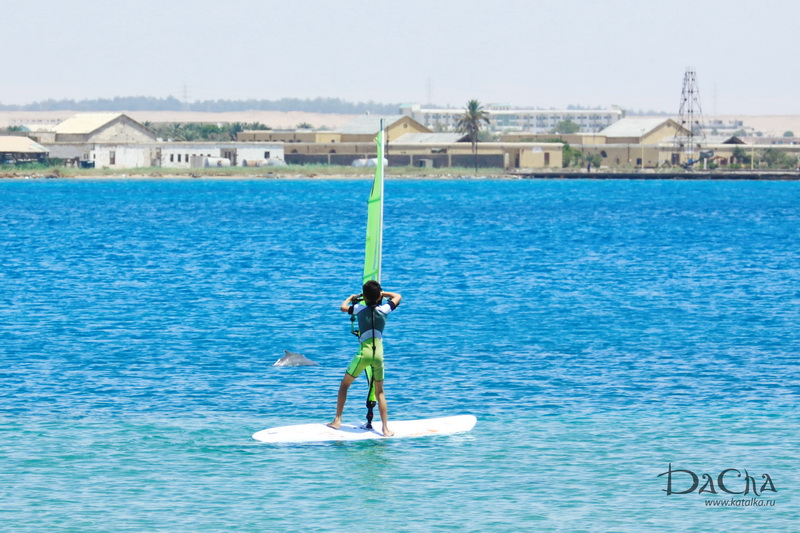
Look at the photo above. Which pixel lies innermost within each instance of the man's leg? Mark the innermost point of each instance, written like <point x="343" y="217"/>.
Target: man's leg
<point x="347" y="380"/>
<point x="383" y="408"/>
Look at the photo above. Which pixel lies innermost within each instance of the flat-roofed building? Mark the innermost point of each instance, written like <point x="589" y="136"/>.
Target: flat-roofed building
<point x="440" y="152"/>
<point x="289" y="136"/>
<point x="185" y="154"/>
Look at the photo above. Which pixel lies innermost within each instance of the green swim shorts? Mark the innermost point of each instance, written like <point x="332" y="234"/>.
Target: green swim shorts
<point x="370" y="353"/>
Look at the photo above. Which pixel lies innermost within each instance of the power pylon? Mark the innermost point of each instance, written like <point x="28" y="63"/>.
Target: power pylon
<point x="691" y="118"/>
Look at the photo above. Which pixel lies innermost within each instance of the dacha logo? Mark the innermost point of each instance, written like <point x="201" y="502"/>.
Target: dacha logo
<point x="726" y="482"/>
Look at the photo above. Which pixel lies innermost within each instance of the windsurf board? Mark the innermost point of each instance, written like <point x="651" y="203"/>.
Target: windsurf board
<point x="319" y="432"/>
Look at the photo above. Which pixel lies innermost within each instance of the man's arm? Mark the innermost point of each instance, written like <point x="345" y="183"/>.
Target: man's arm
<point x="345" y="307"/>
<point x="394" y="297"/>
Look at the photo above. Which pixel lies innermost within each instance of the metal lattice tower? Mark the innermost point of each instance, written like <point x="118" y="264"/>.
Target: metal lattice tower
<point x="691" y="117"/>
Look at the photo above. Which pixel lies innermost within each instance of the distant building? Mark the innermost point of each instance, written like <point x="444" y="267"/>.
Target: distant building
<point x="114" y="140"/>
<point x="365" y="128"/>
<point x="74" y="138"/>
<point x="97" y="128"/>
<point x="288" y="136"/>
<point x="185" y="154"/>
<point x="361" y="129"/>
<point x="15" y="150"/>
<point x="505" y="118"/>
<point x="408" y="143"/>
<point x="642" y="130"/>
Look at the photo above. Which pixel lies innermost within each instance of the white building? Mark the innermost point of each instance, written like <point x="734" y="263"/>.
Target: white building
<point x="114" y="140"/>
<point x="504" y="118"/>
<point x="184" y="154"/>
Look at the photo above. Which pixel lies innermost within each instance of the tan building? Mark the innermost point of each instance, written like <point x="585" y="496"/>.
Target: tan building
<point x="642" y="130"/>
<point x="96" y="128"/>
<point x="362" y="129"/>
<point x="16" y="149"/>
<point x="440" y="154"/>
<point x="289" y="136"/>
<point x="409" y="143"/>
<point x="630" y="142"/>
<point x="569" y="138"/>
<point x="365" y="128"/>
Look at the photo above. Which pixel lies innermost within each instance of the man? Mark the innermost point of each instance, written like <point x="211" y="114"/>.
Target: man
<point x="371" y="316"/>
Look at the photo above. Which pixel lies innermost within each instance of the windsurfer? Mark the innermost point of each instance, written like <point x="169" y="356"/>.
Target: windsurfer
<point x="371" y="316"/>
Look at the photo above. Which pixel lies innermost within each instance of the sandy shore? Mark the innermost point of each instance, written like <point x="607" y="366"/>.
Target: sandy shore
<point x="332" y="173"/>
<point x="344" y="173"/>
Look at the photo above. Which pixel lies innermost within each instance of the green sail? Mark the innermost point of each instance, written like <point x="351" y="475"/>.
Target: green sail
<point x="373" y="250"/>
<point x="374" y="246"/>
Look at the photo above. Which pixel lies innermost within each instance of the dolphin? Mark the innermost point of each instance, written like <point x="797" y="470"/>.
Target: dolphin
<point x="294" y="359"/>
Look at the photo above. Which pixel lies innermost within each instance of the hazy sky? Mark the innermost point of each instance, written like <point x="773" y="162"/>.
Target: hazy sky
<point x="550" y="53"/>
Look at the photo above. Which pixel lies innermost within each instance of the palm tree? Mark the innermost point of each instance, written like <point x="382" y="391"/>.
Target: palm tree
<point x="234" y="130"/>
<point x="471" y="122"/>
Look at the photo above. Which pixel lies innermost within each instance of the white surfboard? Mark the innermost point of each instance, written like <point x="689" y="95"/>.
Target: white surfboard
<point x="402" y="429"/>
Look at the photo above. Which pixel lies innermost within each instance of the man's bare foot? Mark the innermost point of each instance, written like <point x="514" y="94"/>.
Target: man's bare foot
<point x="387" y="432"/>
<point x="336" y="424"/>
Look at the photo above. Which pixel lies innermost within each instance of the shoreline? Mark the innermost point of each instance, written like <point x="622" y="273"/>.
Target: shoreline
<point x="409" y="173"/>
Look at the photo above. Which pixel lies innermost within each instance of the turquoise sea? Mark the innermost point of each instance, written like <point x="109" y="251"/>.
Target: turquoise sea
<point x="603" y="332"/>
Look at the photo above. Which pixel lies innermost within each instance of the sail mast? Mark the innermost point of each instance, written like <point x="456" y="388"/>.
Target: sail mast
<point x="373" y="251"/>
<point x="374" y="244"/>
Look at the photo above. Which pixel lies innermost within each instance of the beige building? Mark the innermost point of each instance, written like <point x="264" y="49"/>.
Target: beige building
<point x="406" y="152"/>
<point x="16" y="149"/>
<point x="362" y="129"/>
<point x="631" y="142"/>
<point x="365" y="128"/>
<point x="642" y="131"/>
<point x="409" y="143"/>
<point x="96" y="128"/>
<point x="289" y="136"/>
<point x="75" y="138"/>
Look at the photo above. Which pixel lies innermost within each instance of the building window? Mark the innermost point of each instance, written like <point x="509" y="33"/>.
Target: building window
<point x="171" y="158"/>
<point x="266" y="155"/>
<point x="112" y="157"/>
<point x="179" y="158"/>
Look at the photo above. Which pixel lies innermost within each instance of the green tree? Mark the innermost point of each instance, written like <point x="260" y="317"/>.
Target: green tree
<point x="788" y="133"/>
<point x="570" y="157"/>
<point x="593" y="159"/>
<point x="234" y="130"/>
<point x="177" y="132"/>
<point x="775" y="158"/>
<point x="740" y="156"/>
<point x="566" y="126"/>
<point x="471" y="123"/>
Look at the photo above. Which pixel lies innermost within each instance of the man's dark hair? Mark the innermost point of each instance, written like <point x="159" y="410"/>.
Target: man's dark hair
<point x="372" y="291"/>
